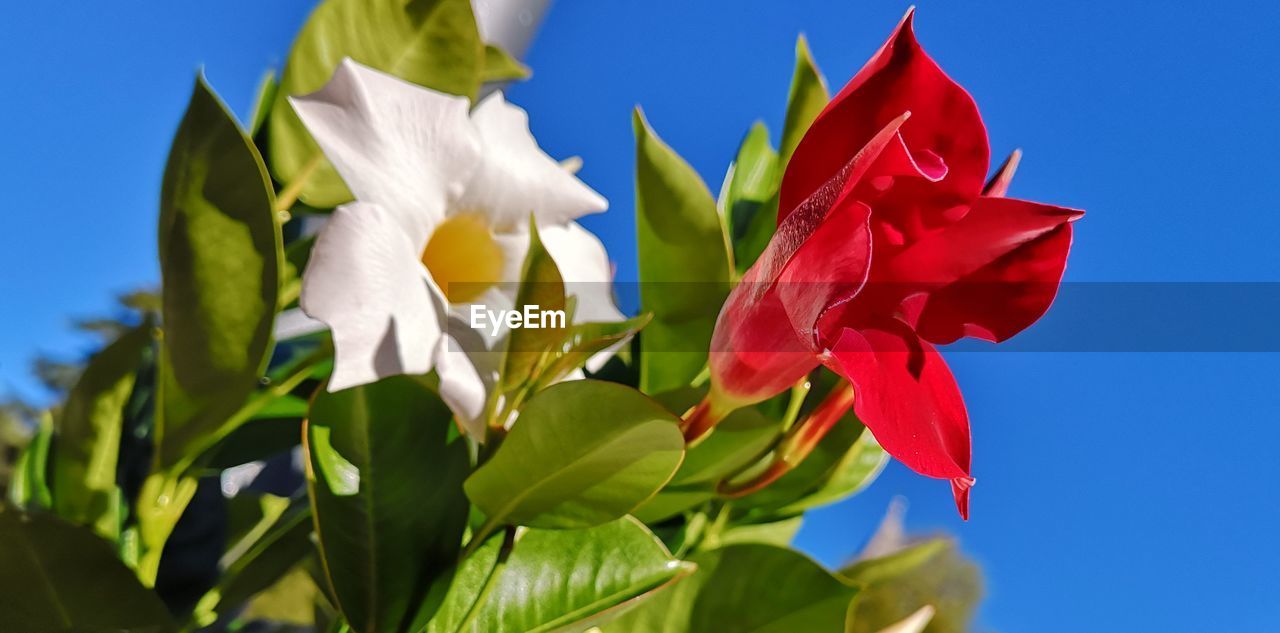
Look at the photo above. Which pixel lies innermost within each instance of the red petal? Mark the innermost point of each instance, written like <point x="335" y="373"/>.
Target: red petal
<point x="990" y="275"/>
<point x="899" y="78"/>
<point x="909" y="400"/>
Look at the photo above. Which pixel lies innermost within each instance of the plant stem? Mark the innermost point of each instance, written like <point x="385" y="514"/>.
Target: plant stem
<point x="289" y="195"/>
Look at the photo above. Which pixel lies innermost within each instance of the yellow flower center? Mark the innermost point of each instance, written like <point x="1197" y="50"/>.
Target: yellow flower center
<point x="463" y="258"/>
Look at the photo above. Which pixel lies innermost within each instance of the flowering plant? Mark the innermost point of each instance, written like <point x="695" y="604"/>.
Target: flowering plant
<point x="388" y="387"/>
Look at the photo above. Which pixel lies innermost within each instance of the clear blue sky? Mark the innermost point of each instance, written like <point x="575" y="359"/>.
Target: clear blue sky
<point x="1117" y="492"/>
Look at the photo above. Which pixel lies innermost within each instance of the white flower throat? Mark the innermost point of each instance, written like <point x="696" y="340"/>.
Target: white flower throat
<point x="463" y="258"/>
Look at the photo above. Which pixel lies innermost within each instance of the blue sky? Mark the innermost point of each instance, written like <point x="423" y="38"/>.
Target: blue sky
<point x="1117" y="491"/>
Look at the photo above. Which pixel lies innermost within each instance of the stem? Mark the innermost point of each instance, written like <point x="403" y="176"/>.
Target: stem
<point x="289" y="195"/>
<point x="798" y="444"/>
<point x="508" y="544"/>
<point x="487" y="528"/>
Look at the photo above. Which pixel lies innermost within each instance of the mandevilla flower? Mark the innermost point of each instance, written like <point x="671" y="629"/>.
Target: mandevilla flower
<point x="888" y="244"/>
<point x="440" y="222"/>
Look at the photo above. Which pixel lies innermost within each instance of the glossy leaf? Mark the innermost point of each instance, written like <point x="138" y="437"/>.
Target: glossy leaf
<point x="501" y="66"/>
<point x="89" y="428"/>
<point x="220" y="260"/>
<point x="750" y="588"/>
<point x="854" y="471"/>
<point x="930" y="573"/>
<point x="684" y="263"/>
<point x="386" y="484"/>
<point x="561" y="580"/>
<point x="57" y="577"/>
<point x="433" y="43"/>
<point x="581" y="453"/>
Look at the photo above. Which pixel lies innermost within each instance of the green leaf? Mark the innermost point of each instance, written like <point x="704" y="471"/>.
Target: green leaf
<point x="859" y="466"/>
<point x="433" y="43"/>
<point x="560" y="580"/>
<point x="89" y="428"/>
<point x="779" y="533"/>
<point x="895" y="586"/>
<point x="58" y="577"/>
<point x="501" y="66"/>
<point x="540" y="285"/>
<point x="749" y="588"/>
<point x="29" y="484"/>
<point x="806" y="100"/>
<point x="386" y="484"/>
<point x="750" y="186"/>
<point x="259" y="561"/>
<point x="684" y="263"/>
<point x="220" y="260"/>
<point x="583" y="341"/>
<point x="581" y="453"/>
<point x="267" y="89"/>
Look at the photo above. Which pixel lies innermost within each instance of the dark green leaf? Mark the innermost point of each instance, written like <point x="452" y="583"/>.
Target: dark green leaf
<point x="684" y="263"/>
<point x="89" y="428"/>
<point x="561" y="580"/>
<point x="583" y="341"/>
<point x="387" y="489"/>
<point x="581" y="453"/>
<point x="749" y="588"/>
<point x="433" y="43"/>
<point x="501" y="66"/>
<point x="220" y="260"/>
<point x="58" y="577"/>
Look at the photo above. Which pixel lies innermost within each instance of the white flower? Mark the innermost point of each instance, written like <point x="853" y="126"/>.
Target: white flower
<point x="440" y="222"/>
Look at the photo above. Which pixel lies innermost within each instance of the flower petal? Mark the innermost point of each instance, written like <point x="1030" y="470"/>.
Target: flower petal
<point x="516" y="178"/>
<point x="899" y="78"/>
<point x="907" y="397"/>
<point x="588" y="277"/>
<point x="991" y="274"/>
<point x="404" y="147"/>
<point x="365" y="282"/>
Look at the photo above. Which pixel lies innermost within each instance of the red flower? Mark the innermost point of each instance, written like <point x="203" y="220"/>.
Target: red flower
<point x="887" y="243"/>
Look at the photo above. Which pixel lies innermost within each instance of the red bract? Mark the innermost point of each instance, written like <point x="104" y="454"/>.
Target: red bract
<point x="887" y="244"/>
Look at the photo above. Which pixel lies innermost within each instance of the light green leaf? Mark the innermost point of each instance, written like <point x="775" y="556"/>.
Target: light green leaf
<point x="267" y="89"/>
<point x="859" y="466"/>
<point x="806" y="100"/>
<point x="750" y="186"/>
<point x="749" y="588"/>
<point x="433" y="43"/>
<point x="585" y="340"/>
<point x="89" y="428"/>
<point x="808" y="96"/>
<point x="561" y="580"/>
<point x="779" y="533"/>
<point x="220" y="260"/>
<point x="581" y="453"/>
<point x="501" y="66"/>
<point x="895" y="586"/>
<point x="386" y="484"/>
<point x="540" y="285"/>
<point x="29" y="484"/>
<point x="57" y="577"/>
<point x="684" y="263"/>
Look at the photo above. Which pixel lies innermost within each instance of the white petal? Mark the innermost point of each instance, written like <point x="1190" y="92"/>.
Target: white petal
<point x="588" y="276"/>
<point x="584" y="266"/>
<point x="295" y="323"/>
<point x="407" y="148"/>
<point x="913" y="623"/>
<point x="364" y="280"/>
<point x="516" y="178"/>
